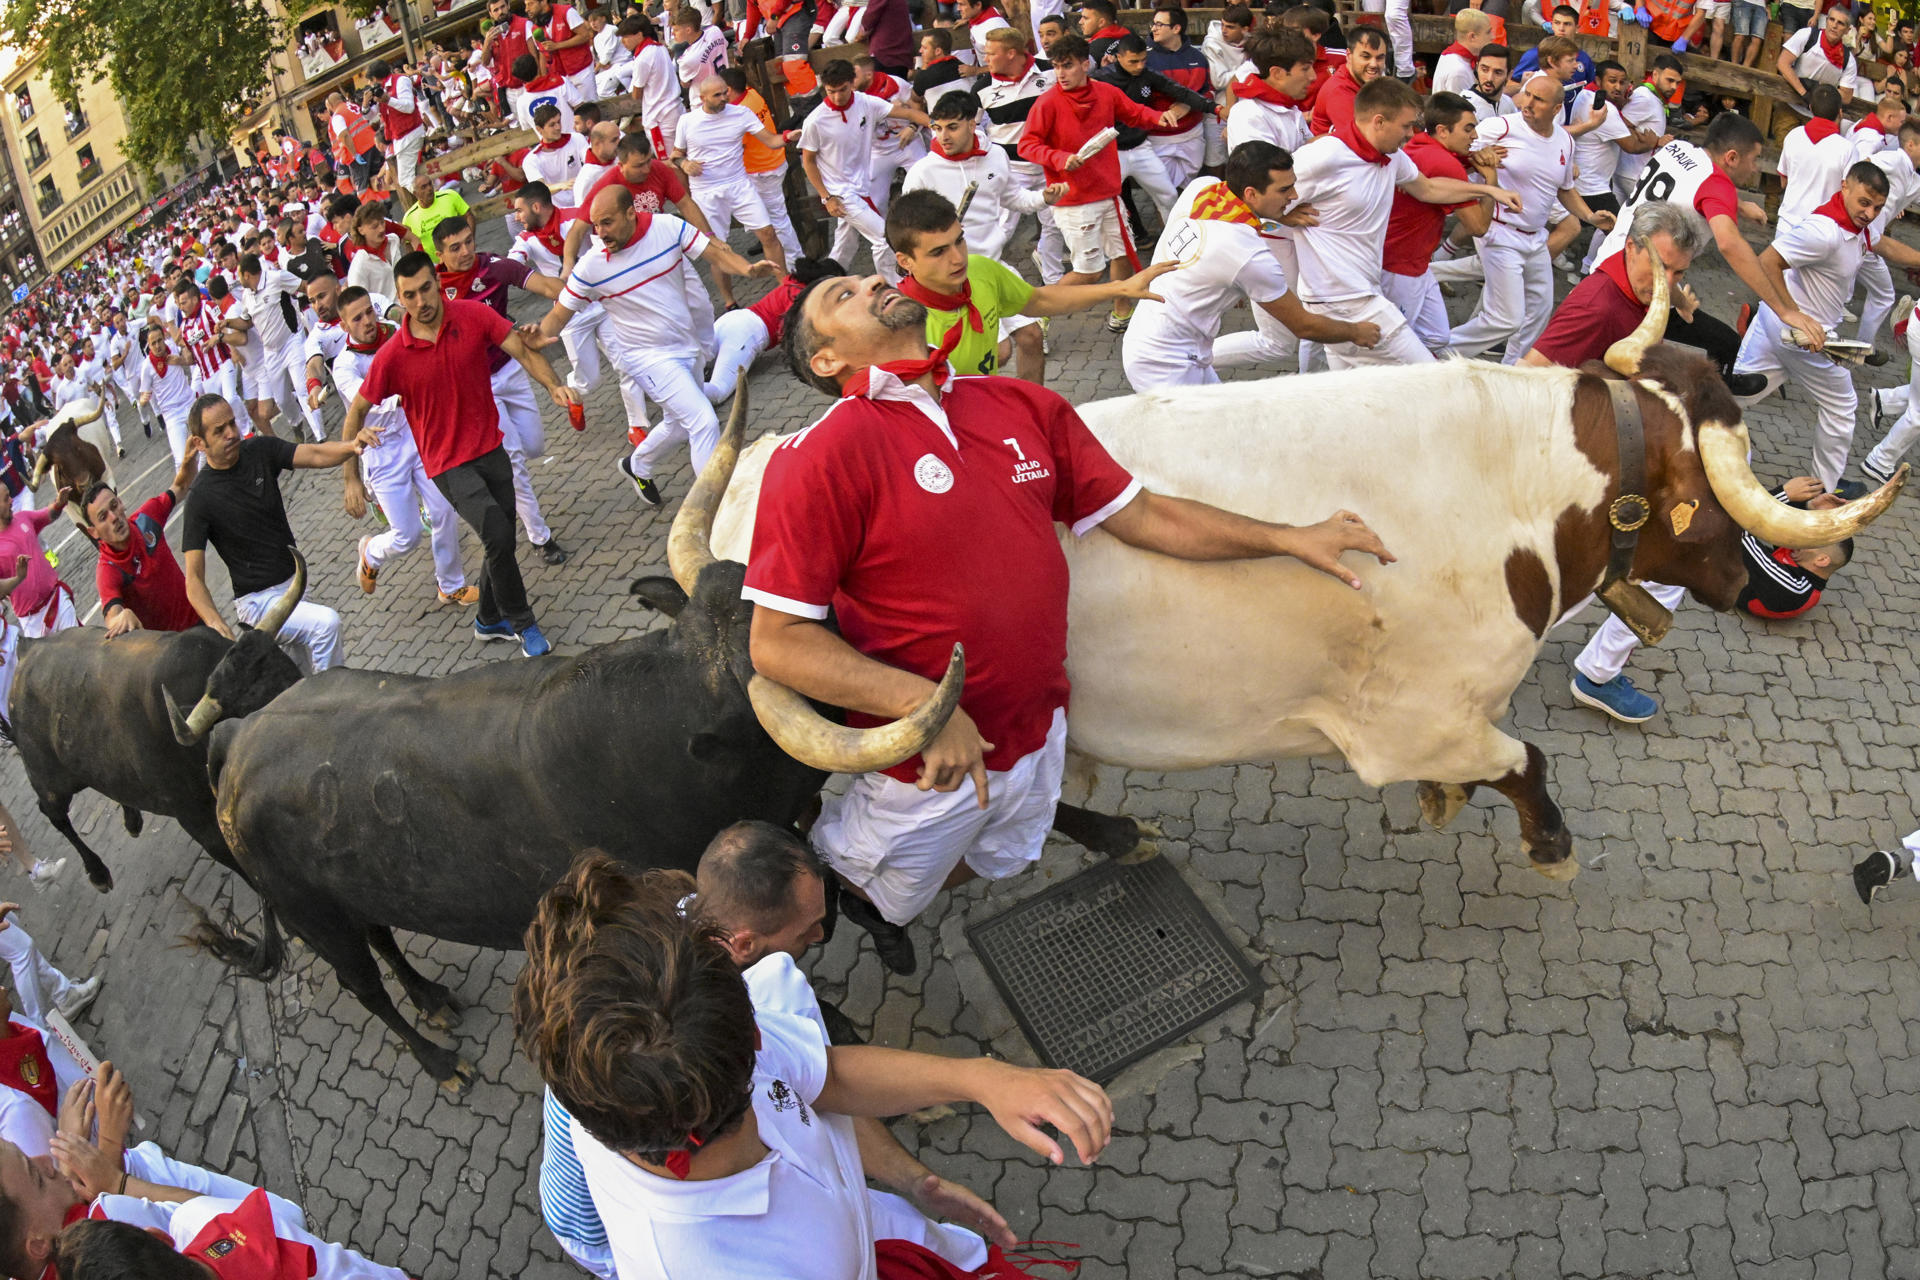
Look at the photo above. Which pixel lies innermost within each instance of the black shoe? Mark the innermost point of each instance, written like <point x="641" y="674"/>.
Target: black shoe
<point x="146" y="427"/>
<point x="552" y="552"/>
<point x="1877" y="358"/>
<point x="1872" y="473"/>
<point x="1746" y="384"/>
<point x="889" y="939"/>
<point x="1849" y="490"/>
<point x="643" y="485"/>
<point x="1879" y="415"/>
<point x="1875" y="872"/>
<point x="840" y="1028"/>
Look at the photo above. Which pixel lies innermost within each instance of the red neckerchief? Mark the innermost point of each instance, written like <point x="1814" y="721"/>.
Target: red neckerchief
<point x="934" y="301"/>
<point x="984" y="15"/>
<point x="883" y="86"/>
<point x="1836" y="53"/>
<point x="159" y="364"/>
<point x="1256" y="88"/>
<point x="974" y="141"/>
<point x="548" y="81"/>
<point x="1871" y="122"/>
<point x="1112" y="31"/>
<point x="842" y="111"/>
<point x="361" y="246"/>
<point x="909" y="370"/>
<point x="1836" y="209"/>
<point x="24" y="1066"/>
<point x="1819" y="130"/>
<point x="1020" y="76"/>
<point x="550" y="233"/>
<point x="386" y="331"/>
<point x="241" y="1245"/>
<point x="1462" y="50"/>
<point x="897" y="1259"/>
<point x="558" y="143"/>
<point x="1615" y="269"/>
<point x="1080" y="100"/>
<point x="1348" y="132"/>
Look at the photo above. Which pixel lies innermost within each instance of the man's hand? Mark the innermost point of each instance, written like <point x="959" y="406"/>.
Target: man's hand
<point x="355" y="500"/>
<point x="1487" y="159"/>
<point x="1021" y="1099"/>
<point x="122" y="621"/>
<point x="76" y="1109"/>
<point x="315" y="396"/>
<point x="1600" y="218"/>
<point x="113" y="1099"/>
<point x="564" y="395"/>
<point x="1055" y="192"/>
<point x="535" y="338"/>
<point x="1503" y="197"/>
<point x="1753" y="213"/>
<point x="835" y="207"/>
<point x="1171" y="116"/>
<point x="90" y="1170"/>
<point x="1686" y="302"/>
<point x="1366" y="334"/>
<point x="1301" y="215"/>
<point x="1320" y="546"/>
<point x="939" y="1199"/>
<point x="957" y="754"/>
<point x="1814" y="331"/>
<point x="691" y="167"/>
<point x="1136" y="285"/>
<point x="1073" y="162"/>
<point x="1803" y="489"/>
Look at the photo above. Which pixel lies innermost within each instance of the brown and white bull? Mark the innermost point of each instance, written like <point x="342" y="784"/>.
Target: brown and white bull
<point x="1492" y="485"/>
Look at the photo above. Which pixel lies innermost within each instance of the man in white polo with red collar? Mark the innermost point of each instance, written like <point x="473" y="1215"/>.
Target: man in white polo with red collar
<point x="920" y="510"/>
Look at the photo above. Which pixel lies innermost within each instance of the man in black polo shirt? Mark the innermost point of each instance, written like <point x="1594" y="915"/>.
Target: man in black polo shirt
<point x="234" y="503"/>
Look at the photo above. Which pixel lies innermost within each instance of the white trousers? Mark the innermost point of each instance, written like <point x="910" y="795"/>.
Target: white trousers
<point x="525" y="436"/>
<point x="175" y="425"/>
<point x="726" y="203"/>
<point x="406" y="157"/>
<point x="34" y="625"/>
<point x="1828" y="385"/>
<point x="37" y="985"/>
<point x="1398" y="343"/>
<point x="225" y="383"/>
<point x="1053" y="248"/>
<point x="1269" y="342"/>
<point x="401" y="491"/>
<point x="772" y="186"/>
<point x="1150" y="370"/>
<point x="672" y="382"/>
<point x="584" y="84"/>
<point x="313" y="625"/>
<point x="863" y="222"/>
<point x="1418" y="299"/>
<point x="741" y="336"/>
<point x="1514" y="304"/>
<point x="1399" y="32"/>
<point x="1878" y="282"/>
<point x="1146" y="167"/>
<point x="1182" y="154"/>
<point x="1888" y="453"/>
<point x="1613" y="644"/>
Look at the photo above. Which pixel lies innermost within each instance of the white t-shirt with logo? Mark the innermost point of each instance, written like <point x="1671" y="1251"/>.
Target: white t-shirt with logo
<point x="842" y="143"/>
<point x="1221" y="262"/>
<point x="1647" y="113"/>
<point x="1538" y="168"/>
<point x="559" y="168"/>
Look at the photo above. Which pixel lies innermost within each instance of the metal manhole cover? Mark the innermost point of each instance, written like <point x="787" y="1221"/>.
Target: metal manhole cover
<point x="1110" y="965"/>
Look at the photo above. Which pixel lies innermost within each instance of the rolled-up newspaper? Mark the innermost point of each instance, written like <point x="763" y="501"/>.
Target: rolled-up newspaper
<point x="69" y="1039"/>
<point x="1838" y="349"/>
<point x="1097" y="143"/>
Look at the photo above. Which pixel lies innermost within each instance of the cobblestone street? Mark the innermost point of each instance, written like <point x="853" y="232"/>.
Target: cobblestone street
<point x="1700" y="1058"/>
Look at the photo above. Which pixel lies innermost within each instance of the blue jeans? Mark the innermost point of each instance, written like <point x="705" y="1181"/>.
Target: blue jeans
<point x="1749" y="19"/>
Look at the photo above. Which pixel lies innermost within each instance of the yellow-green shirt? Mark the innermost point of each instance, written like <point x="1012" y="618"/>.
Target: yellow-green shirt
<point x="998" y="291"/>
<point x="423" y="218"/>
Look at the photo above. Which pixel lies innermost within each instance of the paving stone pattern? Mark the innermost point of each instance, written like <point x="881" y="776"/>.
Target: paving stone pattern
<point x="1701" y="1058"/>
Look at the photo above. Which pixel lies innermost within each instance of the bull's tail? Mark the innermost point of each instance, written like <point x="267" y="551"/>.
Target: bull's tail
<point x="225" y="940"/>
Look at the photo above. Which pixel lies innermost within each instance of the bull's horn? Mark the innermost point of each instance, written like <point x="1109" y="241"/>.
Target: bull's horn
<point x="690" y="541"/>
<point x="1723" y="452"/>
<point x="39" y="472"/>
<point x="189" y="729"/>
<point x="280" y="610"/>
<point x="817" y="742"/>
<point x="1624" y="356"/>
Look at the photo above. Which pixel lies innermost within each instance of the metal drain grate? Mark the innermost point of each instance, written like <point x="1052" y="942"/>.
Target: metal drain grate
<point x="1110" y="965"/>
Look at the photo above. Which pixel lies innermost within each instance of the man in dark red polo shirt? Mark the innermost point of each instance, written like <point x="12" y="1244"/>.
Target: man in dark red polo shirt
<point x="911" y="470"/>
<point x="1611" y="303"/>
<point x="438" y="365"/>
<point x="140" y="582"/>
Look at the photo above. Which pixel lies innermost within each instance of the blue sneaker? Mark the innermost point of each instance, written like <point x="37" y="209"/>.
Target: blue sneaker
<point x="533" y="642"/>
<point x="1617" y="697"/>
<point x="501" y="630"/>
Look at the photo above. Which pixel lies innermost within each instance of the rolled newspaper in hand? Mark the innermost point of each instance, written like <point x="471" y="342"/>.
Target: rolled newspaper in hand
<point x="62" y="1031"/>
<point x="1839" y="350"/>
<point x="1097" y="143"/>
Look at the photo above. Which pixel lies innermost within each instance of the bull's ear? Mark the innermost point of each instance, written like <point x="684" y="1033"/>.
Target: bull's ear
<point x="660" y="593"/>
<point x="1693" y="519"/>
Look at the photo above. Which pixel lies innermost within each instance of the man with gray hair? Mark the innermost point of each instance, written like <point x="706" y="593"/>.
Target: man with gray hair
<point x="1611" y="302"/>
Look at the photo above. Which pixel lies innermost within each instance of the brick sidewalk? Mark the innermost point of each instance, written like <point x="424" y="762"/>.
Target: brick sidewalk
<point x="1701" y="1058"/>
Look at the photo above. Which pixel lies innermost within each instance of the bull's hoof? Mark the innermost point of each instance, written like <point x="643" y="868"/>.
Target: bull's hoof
<point x="1146" y="846"/>
<point x="1441" y="802"/>
<point x="133" y="819"/>
<point x="103" y="882"/>
<point x="1565" y="869"/>
<point x="456" y="1082"/>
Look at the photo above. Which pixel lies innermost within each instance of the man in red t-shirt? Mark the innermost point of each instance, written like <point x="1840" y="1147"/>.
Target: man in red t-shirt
<point x="1611" y="303"/>
<point x="1366" y="62"/>
<point x="438" y="364"/>
<point x="140" y="582"/>
<point x="921" y="512"/>
<point x="1414" y="227"/>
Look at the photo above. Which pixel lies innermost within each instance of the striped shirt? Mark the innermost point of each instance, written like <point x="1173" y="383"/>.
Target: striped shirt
<point x="201" y="337"/>
<point x="565" y="1202"/>
<point x="640" y="285"/>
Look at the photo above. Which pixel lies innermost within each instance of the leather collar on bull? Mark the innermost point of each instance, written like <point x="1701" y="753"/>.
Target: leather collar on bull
<point x="1646" y="617"/>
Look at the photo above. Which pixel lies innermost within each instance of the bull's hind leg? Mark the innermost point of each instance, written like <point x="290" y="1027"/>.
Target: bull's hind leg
<point x="1106" y="833"/>
<point x="1549" y="843"/>
<point x="442" y="1010"/>
<point x="1441" y="802"/>
<point x="343" y="945"/>
<point x="54" y="808"/>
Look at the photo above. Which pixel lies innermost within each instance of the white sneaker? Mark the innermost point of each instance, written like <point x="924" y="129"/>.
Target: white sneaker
<point x="77" y="997"/>
<point x="45" y="873"/>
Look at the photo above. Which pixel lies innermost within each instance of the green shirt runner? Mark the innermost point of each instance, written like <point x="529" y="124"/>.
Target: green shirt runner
<point x="998" y="291"/>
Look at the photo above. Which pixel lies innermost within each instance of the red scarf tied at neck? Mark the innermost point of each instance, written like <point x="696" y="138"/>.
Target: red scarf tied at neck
<point x="1349" y="133"/>
<point x="973" y="143"/>
<point x="159" y="364"/>
<point x="985" y="15"/>
<point x="936" y="361"/>
<point x="1255" y="87"/>
<point x="1836" y="209"/>
<point x="1462" y="50"/>
<point x="1872" y="122"/>
<point x="1835" y="52"/>
<point x="1819" y="130"/>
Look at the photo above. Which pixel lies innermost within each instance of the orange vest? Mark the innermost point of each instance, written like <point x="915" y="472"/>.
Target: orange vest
<point x="1671" y="18"/>
<point x="356" y="139"/>
<point x="758" y="156"/>
<point x="1596" y="19"/>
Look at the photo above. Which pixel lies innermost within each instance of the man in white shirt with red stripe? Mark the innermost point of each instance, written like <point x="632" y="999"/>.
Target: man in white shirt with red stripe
<point x="542" y="245"/>
<point x="921" y="510"/>
<point x="1518" y="298"/>
<point x="634" y="272"/>
<point x="836" y="150"/>
<point x="1350" y="176"/>
<point x="400" y="113"/>
<point x="707" y="147"/>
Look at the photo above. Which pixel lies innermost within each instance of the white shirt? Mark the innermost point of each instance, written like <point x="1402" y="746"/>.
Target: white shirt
<point x="328" y="338"/>
<point x="560" y="95"/>
<point x="1811" y="171"/>
<point x="609" y="50"/>
<point x="1868" y="143"/>
<point x="1646" y="112"/>
<point x="1823" y="260"/>
<point x="700" y="59"/>
<point x="1597" y="151"/>
<point x="713" y="139"/>
<point x="590" y="171"/>
<point x="149" y="1164"/>
<point x="657" y="84"/>
<point x="1903" y="188"/>
<point x="66" y="390"/>
<point x="1453" y="73"/>
<point x="1810" y="64"/>
<point x="803" y="1212"/>
<point x="1340" y="258"/>
<point x="1538" y="167"/>
<point x="1221" y="262"/>
<point x="559" y="168"/>
<point x="1252" y="120"/>
<point x="374" y="272"/>
<point x="640" y="286"/>
<point x="1674" y="173"/>
<point x="985" y="225"/>
<point x="394" y="452"/>
<point x="1006" y="103"/>
<point x="1483" y="110"/>
<point x="977" y="34"/>
<point x="1224" y="60"/>
<point x="172" y="391"/>
<point x="331" y="1261"/>
<point x="261" y="304"/>
<point x="842" y="142"/>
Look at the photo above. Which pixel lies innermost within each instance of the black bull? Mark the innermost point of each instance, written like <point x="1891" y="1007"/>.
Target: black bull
<point x="88" y="712"/>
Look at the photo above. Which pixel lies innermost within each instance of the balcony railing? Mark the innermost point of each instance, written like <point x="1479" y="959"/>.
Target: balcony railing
<point x="77" y="123"/>
<point x="89" y="171"/>
<point x="49" y="201"/>
<point x="37" y="156"/>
